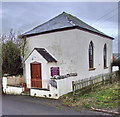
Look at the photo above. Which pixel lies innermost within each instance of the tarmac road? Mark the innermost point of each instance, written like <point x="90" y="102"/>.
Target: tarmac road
<point x="26" y="105"/>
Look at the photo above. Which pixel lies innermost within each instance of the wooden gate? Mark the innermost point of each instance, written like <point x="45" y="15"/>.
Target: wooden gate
<point x="36" y="75"/>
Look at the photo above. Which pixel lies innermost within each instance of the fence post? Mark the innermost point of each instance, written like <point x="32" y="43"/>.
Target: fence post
<point x="73" y="88"/>
<point x="118" y="75"/>
<point x="103" y="81"/>
<point x="91" y="83"/>
<point x="110" y="78"/>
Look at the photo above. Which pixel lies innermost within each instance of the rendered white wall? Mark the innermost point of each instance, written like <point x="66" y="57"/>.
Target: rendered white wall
<point x="52" y="93"/>
<point x="70" y="48"/>
<point x="11" y="89"/>
<point x="14" y="90"/>
<point x="84" y="40"/>
<point x="64" y="86"/>
<point x="4" y="83"/>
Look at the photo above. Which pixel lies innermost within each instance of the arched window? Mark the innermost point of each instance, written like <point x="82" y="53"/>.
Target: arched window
<point x="91" y="56"/>
<point x="105" y="55"/>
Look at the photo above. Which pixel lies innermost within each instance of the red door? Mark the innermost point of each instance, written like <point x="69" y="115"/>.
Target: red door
<point x="36" y="76"/>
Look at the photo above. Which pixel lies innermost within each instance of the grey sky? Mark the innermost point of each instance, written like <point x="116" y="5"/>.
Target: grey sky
<point x="22" y="16"/>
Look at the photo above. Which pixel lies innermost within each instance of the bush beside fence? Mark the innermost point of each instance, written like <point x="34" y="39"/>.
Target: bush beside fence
<point x="85" y="85"/>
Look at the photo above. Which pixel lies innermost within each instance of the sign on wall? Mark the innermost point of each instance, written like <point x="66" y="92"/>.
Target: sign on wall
<point x="55" y="71"/>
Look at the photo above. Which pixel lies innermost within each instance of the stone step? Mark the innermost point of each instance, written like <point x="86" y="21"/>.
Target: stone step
<point x="26" y="93"/>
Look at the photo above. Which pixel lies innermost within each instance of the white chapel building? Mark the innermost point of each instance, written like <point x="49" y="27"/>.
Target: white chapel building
<point x="64" y="45"/>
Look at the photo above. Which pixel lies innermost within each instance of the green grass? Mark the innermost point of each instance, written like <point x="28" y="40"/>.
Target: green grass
<point x="105" y="97"/>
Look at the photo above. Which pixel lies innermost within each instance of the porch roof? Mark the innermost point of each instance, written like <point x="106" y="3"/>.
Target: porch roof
<point x="45" y="55"/>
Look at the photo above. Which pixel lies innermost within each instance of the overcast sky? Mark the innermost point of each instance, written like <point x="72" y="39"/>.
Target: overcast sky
<point x="22" y="16"/>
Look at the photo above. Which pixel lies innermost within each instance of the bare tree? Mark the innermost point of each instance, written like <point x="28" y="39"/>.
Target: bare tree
<point x="11" y="36"/>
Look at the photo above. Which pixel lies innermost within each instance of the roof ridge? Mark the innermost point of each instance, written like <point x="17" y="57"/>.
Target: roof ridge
<point x="61" y="21"/>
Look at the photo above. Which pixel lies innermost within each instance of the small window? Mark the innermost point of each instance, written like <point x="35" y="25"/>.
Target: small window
<point x="55" y="71"/>
<point x="105" y="55"/>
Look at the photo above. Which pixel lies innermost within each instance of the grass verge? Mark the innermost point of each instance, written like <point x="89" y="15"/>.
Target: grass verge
<point x="104" y="97"/>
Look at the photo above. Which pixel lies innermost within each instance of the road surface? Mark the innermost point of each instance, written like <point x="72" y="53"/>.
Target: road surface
<point x="26" y="105"/>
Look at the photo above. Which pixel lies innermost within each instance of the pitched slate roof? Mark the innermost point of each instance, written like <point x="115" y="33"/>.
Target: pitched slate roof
<point x="45" y="55"/>
<point x="62" y="21"/>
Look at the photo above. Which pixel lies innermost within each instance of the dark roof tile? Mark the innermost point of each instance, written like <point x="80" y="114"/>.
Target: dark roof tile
<point x="63" y="20"/>
<point x="45" y="55"/>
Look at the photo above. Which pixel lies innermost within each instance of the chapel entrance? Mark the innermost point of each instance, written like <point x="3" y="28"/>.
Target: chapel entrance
<point x="36" y="75"/>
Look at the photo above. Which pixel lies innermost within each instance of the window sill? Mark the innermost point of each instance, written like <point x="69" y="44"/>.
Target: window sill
<point x="91" y="69"/>
<point x="105" y="67"/>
